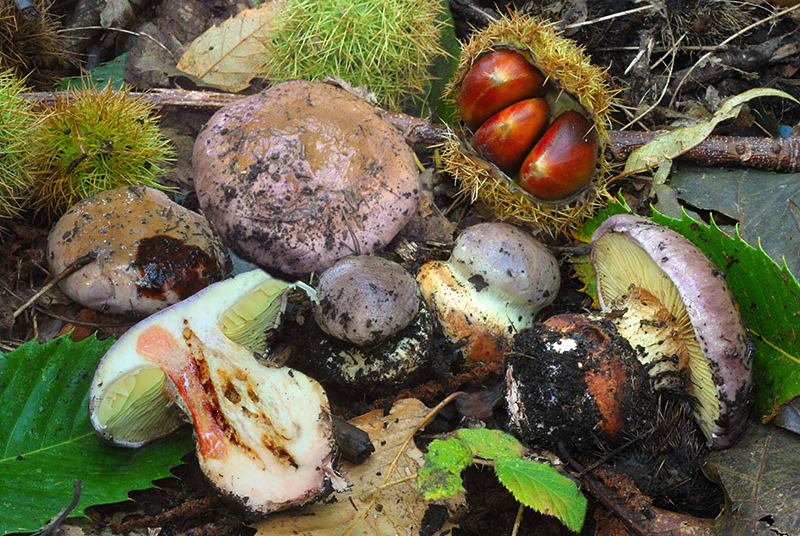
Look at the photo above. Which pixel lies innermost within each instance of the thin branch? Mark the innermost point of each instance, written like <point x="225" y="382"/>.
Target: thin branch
<point x="773" y="154"/>
<point x="69" y="270"/>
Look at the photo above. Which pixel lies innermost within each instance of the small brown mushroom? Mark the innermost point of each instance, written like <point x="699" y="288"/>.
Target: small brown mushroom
<point x="676" y="309"/>
<point x="365" y="299"/>
<point x="496" y="280"/>
<point x="150" y="251"/>
<point x="303" y="174"/>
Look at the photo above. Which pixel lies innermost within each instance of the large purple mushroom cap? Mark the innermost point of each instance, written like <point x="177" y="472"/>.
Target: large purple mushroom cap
<point x="303" y="174"/>
<point x="631" y="252"/>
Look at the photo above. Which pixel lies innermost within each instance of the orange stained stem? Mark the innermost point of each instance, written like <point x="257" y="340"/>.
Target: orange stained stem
<point x="162" y="348"/>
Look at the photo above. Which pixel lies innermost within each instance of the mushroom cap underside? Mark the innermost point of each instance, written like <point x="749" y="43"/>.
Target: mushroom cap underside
<point x="630" y="252"/>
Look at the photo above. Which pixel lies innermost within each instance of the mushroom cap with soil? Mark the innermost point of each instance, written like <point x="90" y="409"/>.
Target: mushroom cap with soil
<point x="302" y="174"/>
<point x="375" y="330"/>
<point x="495" y="281"/>
<point x="263" y="433"/>
<point x="150" y="251"/>
<point x="675" y="307"/>
<point x="365" y="299"/>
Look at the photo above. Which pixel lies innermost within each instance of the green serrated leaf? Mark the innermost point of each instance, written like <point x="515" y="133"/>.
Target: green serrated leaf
<point x="581" y="264"/>
<point x="47" y="441"/>
<point x="490" y="444"/>
<point x="769" y="297"/>
<point x="617" y="206"/>
<point x="542" y="488"/>
<point x="440" y="477"/>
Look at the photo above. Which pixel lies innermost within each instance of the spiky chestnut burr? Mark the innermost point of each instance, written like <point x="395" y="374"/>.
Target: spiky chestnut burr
<point x="573" y="83"/>
<point x="33" y="50"/>
<point x="386" y="46"/>
<point x="94" y="140"/>
<point x="18" y="127"/>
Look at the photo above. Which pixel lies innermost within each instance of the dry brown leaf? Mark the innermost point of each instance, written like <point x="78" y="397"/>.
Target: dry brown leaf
<point x="227" y="56"/>
<point x="399" y="509"/>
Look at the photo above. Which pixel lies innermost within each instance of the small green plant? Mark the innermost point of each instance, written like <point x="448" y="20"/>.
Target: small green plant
<point x="386" y="45"/>
<point x="536" y="485"/>
<point x="94" y="140"/>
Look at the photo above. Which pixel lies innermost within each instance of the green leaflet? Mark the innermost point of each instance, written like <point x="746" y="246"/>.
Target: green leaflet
<point x="47" y="441"/>
<point x="536" y="485"/>
<point x="544" y="489"/>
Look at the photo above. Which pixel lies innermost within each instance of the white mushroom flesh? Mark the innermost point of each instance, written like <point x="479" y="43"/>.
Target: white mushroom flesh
<point x="263" y="432"/>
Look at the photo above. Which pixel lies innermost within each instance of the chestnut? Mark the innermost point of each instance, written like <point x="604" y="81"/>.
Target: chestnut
<point x="507" y="137"/>
<point x="495" y="81"/>
<point x="563" y="161"/>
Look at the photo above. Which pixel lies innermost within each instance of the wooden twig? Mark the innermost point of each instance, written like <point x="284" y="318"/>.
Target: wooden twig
<point x="773" y="154"/>
<point x="69" y="270"/>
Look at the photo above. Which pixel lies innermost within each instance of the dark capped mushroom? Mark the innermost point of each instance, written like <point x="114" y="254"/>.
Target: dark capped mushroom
<point x="372" y="331"/>
<point x="365" y="299"/>
<point x="303" y="174"/>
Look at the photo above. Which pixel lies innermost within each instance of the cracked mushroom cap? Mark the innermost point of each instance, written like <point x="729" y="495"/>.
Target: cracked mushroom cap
<point x="643" y="267"/>
<point x="150" y="251"/>
<point x="303" y="174"/>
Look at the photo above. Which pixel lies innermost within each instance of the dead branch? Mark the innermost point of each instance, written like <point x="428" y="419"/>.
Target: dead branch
<point x="773" y="154"/>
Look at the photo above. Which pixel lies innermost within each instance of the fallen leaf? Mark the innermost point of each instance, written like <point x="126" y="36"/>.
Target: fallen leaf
<point x="761" y="481"/>
<point x="399" y="509"/>
<point x="48" y="442"/>
<point x="227" y="56"/>
<point x="765" y="204"/>
<point x="661" y="151"/>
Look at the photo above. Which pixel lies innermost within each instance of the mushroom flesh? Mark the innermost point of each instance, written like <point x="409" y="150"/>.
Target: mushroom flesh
<point x="263" y="433"/>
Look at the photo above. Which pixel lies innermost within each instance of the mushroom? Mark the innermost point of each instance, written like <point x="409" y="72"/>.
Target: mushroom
<point x="573" y="380"/>
<point x="371" y="334"/>
<point x="495" y="281"/>
<point x="303" y="174"/>
<point x="676" y="309"/>
<point x="263" y="433"/>
<point x="150" y="251"/>
<point x="365" y="299"/>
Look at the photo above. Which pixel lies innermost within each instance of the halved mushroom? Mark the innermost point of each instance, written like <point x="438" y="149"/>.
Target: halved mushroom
<point x="263" y="433"/>
<point x="677" y="311"/>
